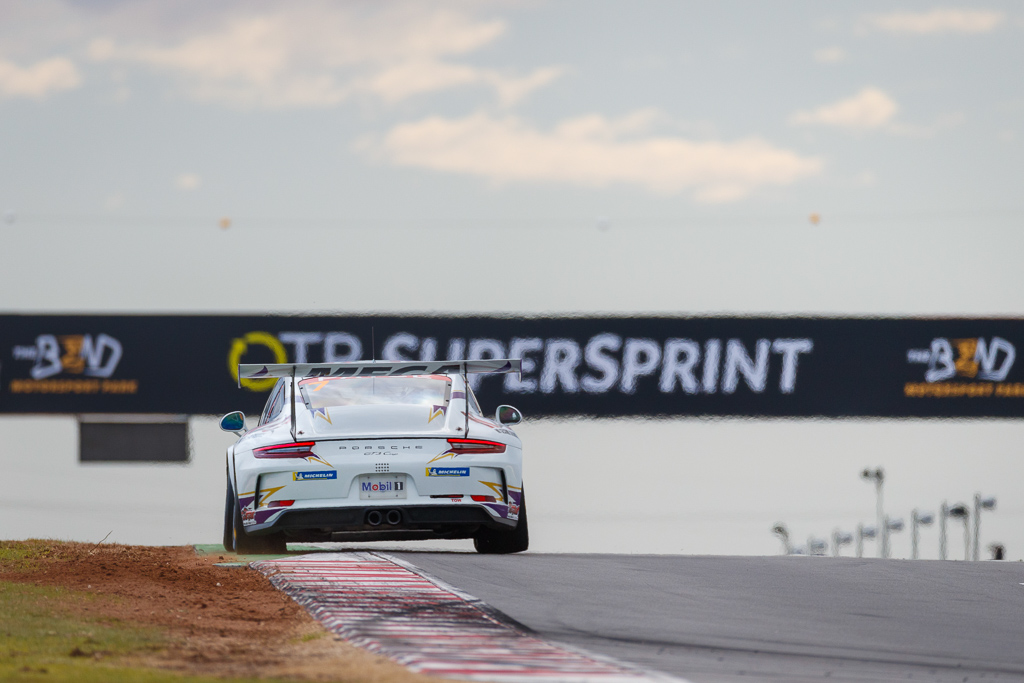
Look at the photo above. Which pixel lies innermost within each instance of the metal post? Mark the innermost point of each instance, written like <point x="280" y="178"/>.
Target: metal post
<point x="883" y="551"/>
<point x="963" y="513"/>
<point x="913" y="534"/>
<point x="782" y="532"/>
<point x="977" y="525"/>
<point x="917" y="520"/>
<point x="862" y="533"/>
<point x="979" y="505"/>
<point x="839" y="539"/>
<point x="890" y="526"/>
<point x="943" y="516"/>
<point x="877" y="475"/>
<point x="967" y="537"/>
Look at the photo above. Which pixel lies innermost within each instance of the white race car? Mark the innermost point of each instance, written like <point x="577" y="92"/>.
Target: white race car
<point x="375" y="451"/>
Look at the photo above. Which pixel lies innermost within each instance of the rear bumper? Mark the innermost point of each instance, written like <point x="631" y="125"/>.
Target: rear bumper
<point x="416" y="521"/>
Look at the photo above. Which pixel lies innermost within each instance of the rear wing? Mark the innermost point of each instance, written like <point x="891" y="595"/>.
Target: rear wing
<point x="297" y="371"/>
<point x="377" y="368"/>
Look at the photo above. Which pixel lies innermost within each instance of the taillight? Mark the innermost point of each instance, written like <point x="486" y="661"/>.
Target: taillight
<point x="303" y="449"/>
<point x="475" y="446"/>
<point x="280" y="503"/>
<point x="483" y="499"/>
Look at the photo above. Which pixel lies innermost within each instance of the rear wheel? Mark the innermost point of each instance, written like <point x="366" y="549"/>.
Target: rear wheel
<point x="502" y="542"/>
<point x="244" y="544"/>
<point x="229" y="520"/>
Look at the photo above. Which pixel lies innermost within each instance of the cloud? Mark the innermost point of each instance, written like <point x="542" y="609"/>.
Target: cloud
<point x="416" y="77"/>
<point x="320" y="54"/>
<point x="188" y="181"/>
<point x="38" y="80"/>
<point x="592" y="151"/>
<point x="829" y="55"/>
<point x="936" y="21"/>
<point x="870" y="108"/>
<point x="944" y="122"/>
<point x="865" y="178"/>
<point x="114" y="202"/>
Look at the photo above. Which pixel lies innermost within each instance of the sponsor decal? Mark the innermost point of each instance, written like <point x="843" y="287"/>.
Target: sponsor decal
<point x="447" y="471"/>
<point x="250" y="497"/>
<point x="600" y="364"/>
<point x="479" y="420"/>
<point x="60" y="362"/>
<point x="322" y="413"/>
<point x="314" y="476"/>
<point x="973" y="367"/>
<point x="248" y="517"/>
<point x="496" y="487"/>
<point x="592" y="366"/>
<point x="239" y="349"/>
<point x="513" y="511"/>
<point x="383" y="486"/>
<point x="442" y="456"/>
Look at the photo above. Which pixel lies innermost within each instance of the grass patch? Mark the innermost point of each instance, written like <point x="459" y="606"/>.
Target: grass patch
<point x="43" y="639"/>
<point x="19" y="556"/>
<point x="99" y="673"/>
<point x="39" y="631"/>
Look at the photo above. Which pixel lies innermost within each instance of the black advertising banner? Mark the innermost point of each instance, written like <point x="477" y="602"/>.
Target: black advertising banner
<point x="613" y="366"/>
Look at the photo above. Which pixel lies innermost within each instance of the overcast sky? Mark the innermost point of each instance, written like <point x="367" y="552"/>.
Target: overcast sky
<point x="679" y="157"/>
<point x="540" y="157"/>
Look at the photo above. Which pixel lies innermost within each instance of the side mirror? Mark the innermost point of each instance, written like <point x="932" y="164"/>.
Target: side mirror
<point x="507" y="415"/>
<point x="234" y="422"/>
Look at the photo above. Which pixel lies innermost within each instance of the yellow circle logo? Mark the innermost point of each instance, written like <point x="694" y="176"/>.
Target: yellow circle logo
<point x="240" y="346"/>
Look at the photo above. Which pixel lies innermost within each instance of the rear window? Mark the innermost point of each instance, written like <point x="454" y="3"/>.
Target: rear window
<point x="409" y="390"/>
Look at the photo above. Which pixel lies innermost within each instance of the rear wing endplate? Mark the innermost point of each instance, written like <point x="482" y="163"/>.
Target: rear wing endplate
<point x="377" y="368"/>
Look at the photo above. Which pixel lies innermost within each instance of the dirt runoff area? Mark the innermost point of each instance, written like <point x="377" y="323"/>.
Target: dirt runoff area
<point x="212" y="621"/>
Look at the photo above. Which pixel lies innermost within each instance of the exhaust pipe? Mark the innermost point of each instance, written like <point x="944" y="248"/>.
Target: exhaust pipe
<point x="394" y="517"/>
<point x="374" y="518"/>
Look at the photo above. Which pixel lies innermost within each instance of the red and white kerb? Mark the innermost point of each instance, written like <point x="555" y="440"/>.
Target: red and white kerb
<point x="389" y="607"/>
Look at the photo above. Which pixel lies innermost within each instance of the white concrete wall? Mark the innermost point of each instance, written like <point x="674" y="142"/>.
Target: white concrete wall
<point x="674" y="486"/>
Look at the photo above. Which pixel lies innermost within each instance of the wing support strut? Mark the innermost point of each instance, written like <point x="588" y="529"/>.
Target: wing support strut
<point x="465" y="380"/>
<point x="294" y="398"/>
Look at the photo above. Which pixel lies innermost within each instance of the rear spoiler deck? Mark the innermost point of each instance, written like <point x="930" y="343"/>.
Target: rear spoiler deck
<point x="297" y="371"/>
<point x="377" y="368"/>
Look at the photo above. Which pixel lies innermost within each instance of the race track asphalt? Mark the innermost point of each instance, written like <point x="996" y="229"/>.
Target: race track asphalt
<point x="710" y="619"/>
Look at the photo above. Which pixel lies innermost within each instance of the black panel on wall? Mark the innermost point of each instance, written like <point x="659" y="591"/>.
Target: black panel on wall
<point x="133" y="442"/>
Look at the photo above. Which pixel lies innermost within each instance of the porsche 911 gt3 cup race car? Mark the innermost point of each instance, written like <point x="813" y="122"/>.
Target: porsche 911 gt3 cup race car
<point x="375" y="451"/>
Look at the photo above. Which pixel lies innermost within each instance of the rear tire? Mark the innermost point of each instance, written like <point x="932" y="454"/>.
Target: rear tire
<point x="244" y="544"/>
<point x="501" y="542"/>
<point x="229" y="520"/>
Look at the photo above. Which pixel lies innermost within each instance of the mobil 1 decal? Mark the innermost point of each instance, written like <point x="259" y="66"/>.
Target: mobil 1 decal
<point x="596" y="366"/>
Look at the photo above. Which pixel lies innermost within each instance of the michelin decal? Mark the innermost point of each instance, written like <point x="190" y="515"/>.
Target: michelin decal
<point x="314" y="476"/>
<point x="447" y="471"/>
